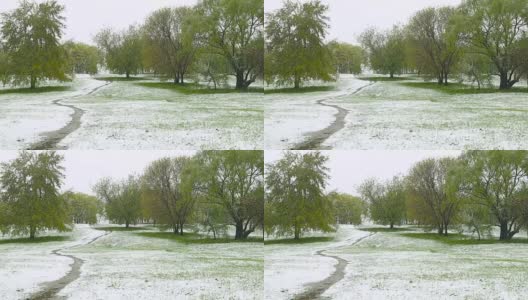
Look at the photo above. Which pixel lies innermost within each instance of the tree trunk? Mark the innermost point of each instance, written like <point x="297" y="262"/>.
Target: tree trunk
<point x="241" y="83"/>
<point x="445" y="79"/>
<point x="127" y="224"/>
<point x="181" y="229"/>
<point x="391" y="75"/>
<point x="505" y="233"/>
<point x="297" y="82"/>
<point x="32" y="231"/>
<point x="127" y="75"/>
<point x="33" y="83"/>
<point x="391" y="225"/>
<point x="297" y="232"/>
<point x="239" y="229"/>
<point x="175" y="229"/>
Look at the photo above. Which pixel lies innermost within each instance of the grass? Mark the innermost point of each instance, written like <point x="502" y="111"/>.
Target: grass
<point x="195" y="238"/>
<point x="115" y="228"/>
<point x="36" y="240"/>
<point x="382" y="78"/>
<point x="193" y="88"/>
<point x="459" y="88"/>
<point x="384" y="229"/>
<point x="306" y="240"/>
<point x="461" y="239"/>
<point x="44" y="89"/>
<point x="301" y="90"/>
<point x="118" y="78"/>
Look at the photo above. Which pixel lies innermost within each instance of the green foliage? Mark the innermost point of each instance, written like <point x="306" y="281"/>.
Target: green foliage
<point x="347" y="58"/>
<point x="305" y="240"/>
<point x="295" y="199"/>
<point x="31" y="42"/>
<point x="122" y="200"/>
<point x="45" y="89"/>
<point x="386" y="201"/>
<point x="196" y="89"/>
<point x="305" y="89"/>
<point x="295" y="48"/>
<point x="82" y="58"/>
<point x="459" y="88"/>
<point x="30" y="196"/>
<point x="36" y="240"/>
<point x="348" y="209"/>
<point x="83" y="208"/>
<point x="459" y="239"/>
<point x="122" y="51"/>
<point x="386" y="50"/>
<point x="193" y="238"/>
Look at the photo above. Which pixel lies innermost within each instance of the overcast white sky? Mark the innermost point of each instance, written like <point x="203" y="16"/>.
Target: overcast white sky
<point x="84" y="168"/>
<point x="349" y="18"/>
<point x="84" y="18"/>
<point x="348" y="169"/>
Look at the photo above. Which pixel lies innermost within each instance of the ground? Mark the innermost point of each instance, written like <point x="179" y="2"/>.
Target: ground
<point x="389" y="265"/>
<point x="126" y="115"/>
<point x="388" y="115"/>
<point x="127" y="265"/>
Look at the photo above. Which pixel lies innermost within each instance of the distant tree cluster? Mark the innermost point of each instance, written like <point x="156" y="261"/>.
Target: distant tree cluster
<point x="472" y="42"/>
<point x="476" y="191"/>
<point x="213" y="189"/>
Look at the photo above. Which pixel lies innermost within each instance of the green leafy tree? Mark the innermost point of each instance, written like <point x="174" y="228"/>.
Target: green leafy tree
<point x="122" y="200"/>
<point x="30" y="194"/>
<point x="386" y="50"/>
<point x="348" y="209"/>
<point x="386" y="201"/>
<point x="234" y="30"/>
<point x="31" y="35"/>
<point x="172" y="41"/>
<point x="234" y="180"/>
<point x="82" y="58"/>
<point x="498" y="29"/>
<point x="83" y="208"/>
<point x="436" y="40"/>
<point x="295" y="198"/>
<point x="122" y="51"/>
<point x="347" y="58"/>
<point x="476" y="68"/>
<point x="295" y="45"/>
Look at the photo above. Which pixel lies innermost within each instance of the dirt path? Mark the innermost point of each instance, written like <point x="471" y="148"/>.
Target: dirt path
<point x="317" y="138"/>
<point x="52" y="288"/>
<point x="51" y="139"/>
<point x="316" y="289"/>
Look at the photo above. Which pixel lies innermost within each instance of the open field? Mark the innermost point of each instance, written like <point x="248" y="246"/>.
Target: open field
<point x="393" y="265"/>
<point x="101" y="114"/>
<point x="391" y="115"/>
<point x="132" y="265"/>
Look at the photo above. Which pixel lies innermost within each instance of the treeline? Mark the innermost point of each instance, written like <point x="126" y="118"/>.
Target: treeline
<point x="210" y="41"/>
<point x="296" y="201"/>
<point x="211" y="192"/>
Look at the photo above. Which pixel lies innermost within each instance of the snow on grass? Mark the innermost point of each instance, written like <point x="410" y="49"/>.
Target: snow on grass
<point x="289" y="267"/>
<point x="392" y="266"/>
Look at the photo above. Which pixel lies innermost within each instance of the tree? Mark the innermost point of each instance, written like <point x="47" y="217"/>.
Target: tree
<point x="295" y="44"/>
<point x="347" y="58"/>
<point x="434" y="185"/>
<point x="31" y="35"/>
<point x="498" y="180"/>
<point x="122" y="51"/>
<point x="476" y="68"/>
<point x="29" y="188"/>
<point x="386" y="50"/>
<point x="213" y="68"/>
<point x="170" y="184"/>
<point x="436" y="40"/>
<point x="497" y="29"/>
<point x="82" y="58"/>
<point x="83" y="208"/>
<point x="386" y="201"/>
<point x="234" y="181"/>
<point x="348" y="209"/>
<point x="122" y="199"/>
<point x="234" y="30"/>
<point x="295" y="199"/>
<point x="5" y="66"/>
<point x="171" y="39"/>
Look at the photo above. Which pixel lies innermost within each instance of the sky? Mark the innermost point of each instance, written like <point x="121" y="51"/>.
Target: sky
<point x="84" y="18"/>
<point x="349" y="18"/>
<point x="84" y="168"/>
<point x="349" y="169"/>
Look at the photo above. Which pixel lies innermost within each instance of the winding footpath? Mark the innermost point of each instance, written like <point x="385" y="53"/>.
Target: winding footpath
<point x="316" y="289"/>
<point x="52" y="288"/>
<point x="51" y="139"/>
<point x="315" y="139"/>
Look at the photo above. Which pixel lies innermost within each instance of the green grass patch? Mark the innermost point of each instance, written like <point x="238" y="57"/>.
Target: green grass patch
<point x="36" y="240"/>
<point x="44" y="89"/>
<point x="384" y="229"/>
<point x="195" y="238"/>
<point x="306" y="240"/>
<point x="301" y="90"/>
<point x="460" y="88"/>
<point x="115" y="228"/>
<point x="117" y="78"/>
<point x="461" y="239"/>
<point x="193" y="88"/>
<point x="381" y="78"/>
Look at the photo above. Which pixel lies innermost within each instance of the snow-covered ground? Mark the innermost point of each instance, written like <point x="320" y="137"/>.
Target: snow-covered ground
<point x="123" y="115"/>
<point x="387" y="115"/>
<point x="392" y="266"/>
<point x="124" y="265"/>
